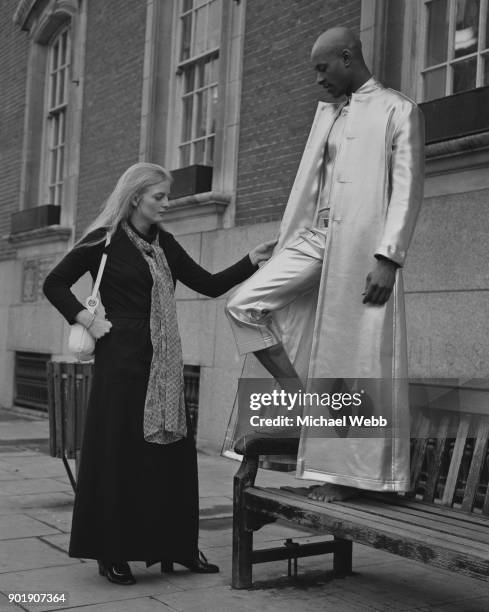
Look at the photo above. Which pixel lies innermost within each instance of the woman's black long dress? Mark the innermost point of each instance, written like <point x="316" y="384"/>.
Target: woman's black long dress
<point x="135" y="500"/>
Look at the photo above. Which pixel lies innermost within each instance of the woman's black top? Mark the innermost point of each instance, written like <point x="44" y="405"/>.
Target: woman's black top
<point x="126" y="282"/>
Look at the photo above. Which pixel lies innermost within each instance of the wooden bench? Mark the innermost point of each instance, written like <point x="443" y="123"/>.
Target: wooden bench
<point x="443" y="522"/>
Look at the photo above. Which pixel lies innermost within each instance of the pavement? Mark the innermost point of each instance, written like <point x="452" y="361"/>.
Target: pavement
<point x="36" y="502"/>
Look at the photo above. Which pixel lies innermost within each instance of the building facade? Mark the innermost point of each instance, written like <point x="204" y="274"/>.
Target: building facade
<point x="223" y="93"/>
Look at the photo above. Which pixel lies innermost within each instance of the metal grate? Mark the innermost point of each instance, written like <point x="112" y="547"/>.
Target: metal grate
<point x="30" y="380"/>
<point x="191" y="375"/>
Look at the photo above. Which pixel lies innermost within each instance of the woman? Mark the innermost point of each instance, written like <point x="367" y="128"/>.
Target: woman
<point x="137" y="493"/>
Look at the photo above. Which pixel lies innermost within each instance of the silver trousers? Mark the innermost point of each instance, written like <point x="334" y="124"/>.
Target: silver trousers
<point x="293" y="271"/>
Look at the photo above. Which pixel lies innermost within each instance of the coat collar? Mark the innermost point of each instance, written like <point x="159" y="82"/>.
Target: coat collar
<point x="369" y="87"/>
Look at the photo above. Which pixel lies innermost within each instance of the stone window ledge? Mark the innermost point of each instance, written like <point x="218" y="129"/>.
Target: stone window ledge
<point x="51" y="233"/>
<point x="458" y="153"/>
<point x="201" y="212"/>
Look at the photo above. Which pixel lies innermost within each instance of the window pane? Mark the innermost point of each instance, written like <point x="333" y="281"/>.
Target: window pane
<point x="201" y="113"/>
<point x="486" y="69"/>
<point x="487" y="30"/>
<point x="214" y="77"/>
<point x="61" y="133"/>
<point x="61" y="157"/>
<point x="209" y="156"/>
<point x="61" y="90"/>
<point x="200" y="75"/>
<point x="213" y="109"/>
<point x="54" y="130"/>
<point x="186" y="37"/>
<point x="53" y="84"/>
<point x="467" y="27"/>
<point x="59" y="194"/>
<point x="436" y="49"/>
<point x="214" y="28"/>
<point x="464" y="75"/>
<point x="434" y="83"/>
<point x="187" y="5"/>
<point x="199" y="152"/>
<point x="199" y="45"/>
<point x="54" y="56"/>
<point x="184" y="156"/>
<point x="53" y="164"/>
<point x="64" y="46"/>
<point x="189" y="78"/>
<point x="187" y="118"/>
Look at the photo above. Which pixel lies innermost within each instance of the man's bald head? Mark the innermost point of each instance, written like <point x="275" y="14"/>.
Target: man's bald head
<point x="337" y="40"/>
<point x="338" y="60"/>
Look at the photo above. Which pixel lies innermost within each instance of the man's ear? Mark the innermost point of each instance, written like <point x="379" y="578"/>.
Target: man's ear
<point x="347" y="57"/>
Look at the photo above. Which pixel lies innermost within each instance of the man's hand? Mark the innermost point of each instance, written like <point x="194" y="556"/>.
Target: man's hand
<point x="380" y="282"/>
<point x="262" y="252"/>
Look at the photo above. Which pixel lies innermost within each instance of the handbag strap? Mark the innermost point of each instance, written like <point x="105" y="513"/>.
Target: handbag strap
<point x="92" y="301"/>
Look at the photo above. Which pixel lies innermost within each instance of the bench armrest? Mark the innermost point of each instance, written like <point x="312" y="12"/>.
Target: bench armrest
<point x="255" y="445"/>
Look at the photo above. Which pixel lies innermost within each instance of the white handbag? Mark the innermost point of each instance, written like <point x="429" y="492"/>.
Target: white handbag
<point x="80" y="341"/>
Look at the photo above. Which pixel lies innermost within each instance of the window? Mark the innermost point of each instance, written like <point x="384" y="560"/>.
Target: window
<point x="197" y="79"/>
<point x="57" y="80"/>
<point x="456" y="55"/>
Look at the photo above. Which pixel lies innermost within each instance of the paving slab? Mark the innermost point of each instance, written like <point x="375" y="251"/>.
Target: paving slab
<point x="24" y="430"/>
<point x="26" y="467"/>
<point x="140" y="604"/>
<point x="479" y="604"/>
<point x="21" y="526"/>
<point x="29" y="553"/>
<point x="6" y="606"/>
<point x="12" y="450"/>
<point x="31" y="485"/>
<point x="18" y="503"/>
<point x="58" y="518"/>
<point x="8" y="474"/>
<point x="216" y="506"/>
<point x="286" y="599"/>
<point x="60" y="540"/>
<point x="82" y="585"/>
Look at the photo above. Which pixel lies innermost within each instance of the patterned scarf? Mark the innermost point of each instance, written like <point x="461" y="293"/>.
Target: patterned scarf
<point x="164" y="408"/>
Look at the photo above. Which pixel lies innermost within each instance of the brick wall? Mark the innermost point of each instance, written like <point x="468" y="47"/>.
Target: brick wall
<point x="279" y="97"/>
<point x="112" y="100"/>
<point x="13" y="51"/>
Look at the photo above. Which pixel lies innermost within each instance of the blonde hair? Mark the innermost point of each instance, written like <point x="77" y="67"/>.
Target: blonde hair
<point x="130" y="185"/>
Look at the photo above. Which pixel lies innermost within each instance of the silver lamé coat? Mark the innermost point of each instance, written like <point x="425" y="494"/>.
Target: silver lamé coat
<point x="377" y="189"/>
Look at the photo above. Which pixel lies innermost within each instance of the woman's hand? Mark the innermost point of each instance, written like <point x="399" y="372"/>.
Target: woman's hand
<point x="97" y="327"/>
<point x="262" y="252"/>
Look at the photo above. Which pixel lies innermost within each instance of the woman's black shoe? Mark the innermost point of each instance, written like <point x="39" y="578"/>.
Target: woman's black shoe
<point x="118" y="573"/>
<point x="199" y="565"/>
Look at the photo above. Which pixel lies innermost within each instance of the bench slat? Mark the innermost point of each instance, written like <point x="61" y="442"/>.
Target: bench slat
<point x="424" y="520"/>
<point x="349" y="510"/>
<point x="456" y="460"/>
<point x="439" y="510"/>
<point x="480" y="531"/>
<point x="419" y="447"/>
<point x="435" y="467"/>
<point x="476" y="465"/>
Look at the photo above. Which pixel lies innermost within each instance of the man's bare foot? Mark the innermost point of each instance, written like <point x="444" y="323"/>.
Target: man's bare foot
<point x="331" y="492"/>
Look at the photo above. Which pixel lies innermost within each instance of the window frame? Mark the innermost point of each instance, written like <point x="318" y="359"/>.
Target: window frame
<point x="49" y="116"/>
<point x="450" y="60"/>
<point x="177" y="87"/>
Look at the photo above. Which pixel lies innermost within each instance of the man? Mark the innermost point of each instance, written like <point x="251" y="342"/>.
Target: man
<point x="329" y="304"/>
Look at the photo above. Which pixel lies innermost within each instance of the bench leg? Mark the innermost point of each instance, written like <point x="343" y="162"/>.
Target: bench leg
<point x="242" y="565"/>
<point x="242" y="529"/>
<point x="342" y="557"/>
